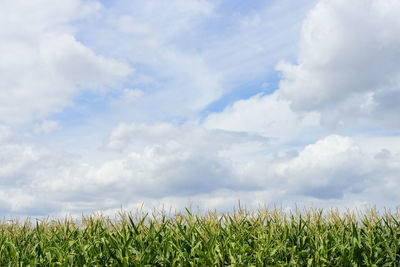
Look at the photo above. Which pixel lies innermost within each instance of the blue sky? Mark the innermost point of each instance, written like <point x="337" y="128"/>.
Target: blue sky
<point x="110" y="104"/>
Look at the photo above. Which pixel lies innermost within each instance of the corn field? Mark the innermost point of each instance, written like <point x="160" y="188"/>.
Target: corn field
<point x="242" y="238"/>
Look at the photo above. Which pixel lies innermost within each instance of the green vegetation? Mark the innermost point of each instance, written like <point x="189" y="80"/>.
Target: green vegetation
<point x="243" y="238"/>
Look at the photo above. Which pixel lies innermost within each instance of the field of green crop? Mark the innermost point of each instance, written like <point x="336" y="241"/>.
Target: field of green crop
<point x="243" y="238"/>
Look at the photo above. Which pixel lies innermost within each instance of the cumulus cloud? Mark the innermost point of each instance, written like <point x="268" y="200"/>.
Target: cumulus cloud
<point x="266" y="115"/>
<point x="164" y="164"/>
<point x="328" y="168"/>
<point x="347" y="66"/>
<point x="23" y="168"/>
<point x="160" y="161"/>
<point x="42" y="64"/>
<point x="217" y="168"/>
<point x="210" y="165"/>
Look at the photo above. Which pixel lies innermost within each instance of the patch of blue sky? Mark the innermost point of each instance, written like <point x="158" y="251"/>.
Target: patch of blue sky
<point x="224" y="21"/>
<point x="208" y="37"/>
<point x="107" y="3"/>
<point x="247" y="89"/>
<point x="242" y="7"/>
<point x="85" y="105"/>
<point x="89" y="111"/>
<point x="220" y="23"/>
<point x="91" y="108"/>
<point x="92" y="34"/>
<point x="226" y="5"/>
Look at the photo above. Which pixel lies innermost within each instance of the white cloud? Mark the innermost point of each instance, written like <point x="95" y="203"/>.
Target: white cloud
<point x="163" y="164"/>
<point x="122" y="135"/>
<point x="266" y="115"/>
<point x="42" y="65"/>
<point x="163" y="160"/>
<point x="75" y="63"/>
<point x="24" y="166"/>
<point x="328" y="168"/>
<point x="266" y="149"/>
<point x="196" y="51"/>
<point x="208" y="165"/>
<point x="347" y="67"/>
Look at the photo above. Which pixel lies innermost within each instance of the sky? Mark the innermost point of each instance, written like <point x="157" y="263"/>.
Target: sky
<point x="127" y="104"/>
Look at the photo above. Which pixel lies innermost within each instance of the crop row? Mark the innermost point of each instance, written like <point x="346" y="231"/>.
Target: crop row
<point x="243" y="238"/>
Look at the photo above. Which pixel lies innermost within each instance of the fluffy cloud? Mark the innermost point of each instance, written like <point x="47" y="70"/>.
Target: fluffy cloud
<point x="42" y="65"/>
<point x="157" y="162"/>
<point x="328" y="168"/>
<point x="347" y="67"/>
<point x="163" y="164"/>
<point x="217" y="168"/>
<point x="266" y="115"/>
<point x="24" y="166"/>
<point x="76" y="64"/>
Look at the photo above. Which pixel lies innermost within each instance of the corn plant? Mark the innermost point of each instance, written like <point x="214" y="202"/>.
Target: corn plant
<point x="243" y="238"/>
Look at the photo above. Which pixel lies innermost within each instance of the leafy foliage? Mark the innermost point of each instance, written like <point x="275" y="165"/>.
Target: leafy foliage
<point x="243" y="238"/>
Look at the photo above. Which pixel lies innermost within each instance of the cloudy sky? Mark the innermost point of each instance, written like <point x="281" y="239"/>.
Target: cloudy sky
<point x="117" y="104"/>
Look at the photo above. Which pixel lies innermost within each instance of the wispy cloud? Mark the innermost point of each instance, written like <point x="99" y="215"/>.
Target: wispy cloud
<point x="196" y="52"/>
